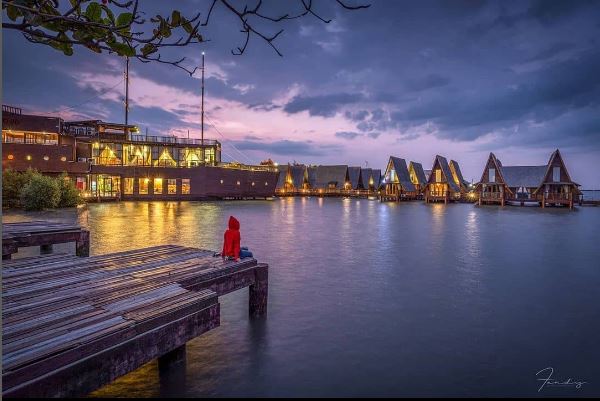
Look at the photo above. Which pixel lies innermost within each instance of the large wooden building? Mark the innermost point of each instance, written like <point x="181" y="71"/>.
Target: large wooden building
<point x="112" y="161"/>
<point x="543" y="185"/>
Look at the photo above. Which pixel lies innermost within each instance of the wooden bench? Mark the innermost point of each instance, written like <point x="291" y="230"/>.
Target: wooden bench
<point x="43" y="234"/>
<point x="71" y="325"/>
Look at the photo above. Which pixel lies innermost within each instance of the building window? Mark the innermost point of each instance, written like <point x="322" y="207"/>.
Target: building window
<point x="185" y="186"/>
<point x="556" y="174"/>
<point x="128" y="189"/>
<point x="238" y="183"/>
<point x="171" y="186"/>
<point x="492" y="174"/>
<point x="10" y="157"/>
<point x="63" y="159"/>
<point x="28" y="157"/>
<point x="438" y="175"/>
<point x="46" y="158"/>
<point x="143" y="186"/>
<point x="266" y="183"/>
<point x="158" y="187"/>
<point x="221" y="181"/>
<point x="252" y="183"/>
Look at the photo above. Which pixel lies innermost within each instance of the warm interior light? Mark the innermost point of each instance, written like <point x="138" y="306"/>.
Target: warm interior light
<point x="10" y="157"/>
<point x="28" y="157"/>
<point x="63" y="159"/>
<point x="46" y="158"/>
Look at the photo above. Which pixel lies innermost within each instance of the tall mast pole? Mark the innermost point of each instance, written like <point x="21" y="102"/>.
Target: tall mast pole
<point x="127" y="96"/>
<point x="202" y="113"/>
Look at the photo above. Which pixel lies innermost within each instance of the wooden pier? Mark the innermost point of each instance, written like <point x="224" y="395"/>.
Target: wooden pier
<point x="43" y="234"/>
<point x="72" y="325"/>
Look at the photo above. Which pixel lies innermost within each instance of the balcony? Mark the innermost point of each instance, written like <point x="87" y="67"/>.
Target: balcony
<point x="173" y="140"/>
<point x="556" y="197"/>
<point x="492" y="196"/>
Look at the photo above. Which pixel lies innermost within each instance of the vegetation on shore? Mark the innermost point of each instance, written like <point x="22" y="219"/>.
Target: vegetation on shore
<point x="34" y="191"/>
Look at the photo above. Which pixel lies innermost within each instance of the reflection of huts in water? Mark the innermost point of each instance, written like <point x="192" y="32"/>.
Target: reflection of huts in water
<point x="543" y="185"/>
<point x="396" y="184"/>
<point x="441" y="185"/>
<point x="417" y="177"/>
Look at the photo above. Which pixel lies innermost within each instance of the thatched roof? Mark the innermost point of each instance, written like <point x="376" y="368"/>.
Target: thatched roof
<point x="443" y="163"/>
<point x="297" y="172"/>
<point x="461" y="181"/>
<point x="283" y="169"/>
<point x="401" y="169"/>
<point x="325" y="175"/>
<point x="523" y="176"/>
<point x="366" y="174"/>
<point x="354" y="176"/>
<point x="419" y="173"/>
<point x="376" y="177"/>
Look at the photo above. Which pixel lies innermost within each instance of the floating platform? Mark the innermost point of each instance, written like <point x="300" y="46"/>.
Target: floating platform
<point x="72" y="325"/>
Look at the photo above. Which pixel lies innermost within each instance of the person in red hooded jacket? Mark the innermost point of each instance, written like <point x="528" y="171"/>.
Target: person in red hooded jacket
<point x="231" y="242"/>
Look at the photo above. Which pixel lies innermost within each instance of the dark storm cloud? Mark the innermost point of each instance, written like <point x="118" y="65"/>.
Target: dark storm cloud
<point x="541" y="95"/>
<point x="552" y="51"/>
<point x="287" y="147"/>
<point x="428" y="82"/>
<point x="347" y="135"/>
<point x="323" y="105"/>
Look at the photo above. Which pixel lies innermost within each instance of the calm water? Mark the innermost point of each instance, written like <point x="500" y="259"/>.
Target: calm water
<point x="381" y="299"/>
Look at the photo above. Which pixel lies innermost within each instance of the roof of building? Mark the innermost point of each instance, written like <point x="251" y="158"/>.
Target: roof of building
<point x="283" y="169"/>
<point x="376" y="177"/>
<point x="366" y="174"/>
<point x="459" y="176"/>
<point x="326" y="175"/>
<point x="354" y="176"/>
<point x="523" y="176"/>
<point x="441" y="160"/>
<point x="311" y="171"/>
<point x="419" y="173"/>
<point x="297" y="173"/>
<point x="402" y="173"/>
<point x="31" y="123"/>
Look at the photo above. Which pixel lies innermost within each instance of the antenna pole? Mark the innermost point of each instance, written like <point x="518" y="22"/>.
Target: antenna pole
<point x="202" y="114"/>
<point x="127" y="96"/>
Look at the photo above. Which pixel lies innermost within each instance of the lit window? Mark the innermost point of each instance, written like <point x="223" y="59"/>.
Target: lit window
<point x="221" y="181"/>
<point x="266" y="183"/>
<point x="10" y="157"/>
<point x="28" y="157"/>
<point x="171" y="186"/>
<point x="238" y="183"/>
<point x="252" y="183"/>
<point x="46" y="158"/>
<point x="63" y="159"/>
<point x="128" y="189"/>
<point x="185" y="186"/>
<point x="158" y="187"/>
<point x="143" y="186"/>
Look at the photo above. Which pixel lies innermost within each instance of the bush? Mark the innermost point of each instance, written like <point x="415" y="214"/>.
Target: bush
<point x="13" y="183"/>
<point x="69" y="194"/>
<point x="41" y="192"/>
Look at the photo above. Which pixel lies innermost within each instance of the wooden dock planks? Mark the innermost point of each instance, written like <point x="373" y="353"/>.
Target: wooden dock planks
<point x="71" y="325"/>
<point x="44" y="234"/>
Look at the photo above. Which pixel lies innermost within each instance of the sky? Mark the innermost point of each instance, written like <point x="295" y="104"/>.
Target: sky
<point x="410" y="79"/>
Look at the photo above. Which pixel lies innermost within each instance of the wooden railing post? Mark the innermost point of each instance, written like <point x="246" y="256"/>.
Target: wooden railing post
<point x="82" y="245"/>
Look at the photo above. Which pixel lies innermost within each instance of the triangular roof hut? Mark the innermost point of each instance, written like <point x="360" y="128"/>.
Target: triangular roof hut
<point x="283" y="173"/>
<point x="376" y="174"/>
<point x="440" y="163"/>
<point x="355" y="177"/>
<point x="457" y="175"/>
<point x="397" y="173"/>
<point x="331" y="177"/>
<point x="417" y="174"/>
<point x="298" y="175"/>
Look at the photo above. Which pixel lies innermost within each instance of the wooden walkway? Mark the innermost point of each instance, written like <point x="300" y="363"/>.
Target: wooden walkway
<point x="71" y="325"/>
<point x="43" y="234"/>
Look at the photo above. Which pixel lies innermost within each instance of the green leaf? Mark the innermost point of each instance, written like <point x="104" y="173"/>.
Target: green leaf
<point x="109" y="13"/>
<point x="148" y="49"/>
<point x="94" y="12"/>
<point x="12" y="11"/>
<point x="124" y="19"/>
<point x="122" y="49"/>
<point x="188" y="27"/>
<point x="175" y="18"/>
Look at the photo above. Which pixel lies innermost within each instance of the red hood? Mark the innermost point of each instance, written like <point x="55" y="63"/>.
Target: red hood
<point x="233" y="223"/>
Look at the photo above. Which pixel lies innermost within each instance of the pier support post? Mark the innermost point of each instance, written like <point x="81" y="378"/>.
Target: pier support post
<point x="45" y="249"/>
<point x="171" y="371"/>
<point x="82" y="245"/>
<point x="259" y="292"/>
